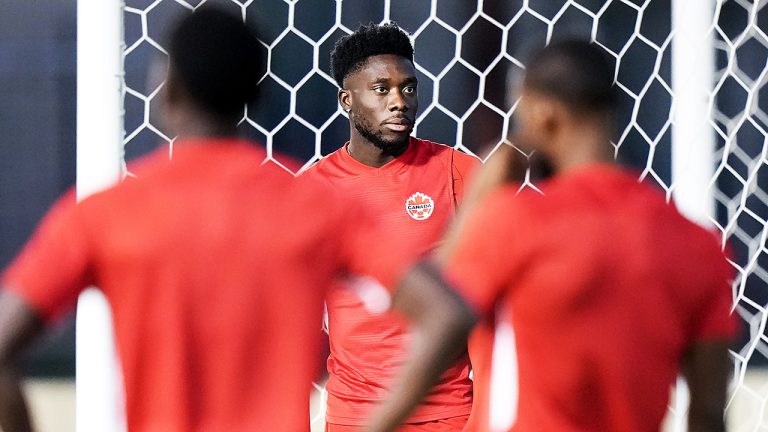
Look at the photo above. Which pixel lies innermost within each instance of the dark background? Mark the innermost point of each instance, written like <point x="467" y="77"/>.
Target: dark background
<point x="38" y="48"/>
<point x="38" y="103"/>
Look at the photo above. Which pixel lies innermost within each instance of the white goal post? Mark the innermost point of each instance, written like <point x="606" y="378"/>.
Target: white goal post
<point x="693" y="144"/>
<point x="693" y="141"/>
<point x="99" y="165"/>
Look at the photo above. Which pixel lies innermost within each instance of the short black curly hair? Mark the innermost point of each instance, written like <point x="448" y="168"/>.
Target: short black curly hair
<point x="350" y="52"/>
<point x="576" y="72"/>
<point x="217" y="59"/>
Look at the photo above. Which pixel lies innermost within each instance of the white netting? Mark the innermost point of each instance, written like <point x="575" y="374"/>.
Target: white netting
<point x="739" y="107"/>
<point x="466" y="54"/>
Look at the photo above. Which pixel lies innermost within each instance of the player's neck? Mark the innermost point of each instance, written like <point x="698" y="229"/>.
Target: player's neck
<point x="368" y="154"/>
<point x="211" y="131"/>
<point x="584" y="146"/>
<point x="192" y="124"/>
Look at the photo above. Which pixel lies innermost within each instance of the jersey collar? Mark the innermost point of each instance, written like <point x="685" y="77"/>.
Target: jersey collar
<point x="392" y="165"/>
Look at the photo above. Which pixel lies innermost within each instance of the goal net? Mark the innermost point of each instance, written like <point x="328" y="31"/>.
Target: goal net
<point x="467" y="52"/>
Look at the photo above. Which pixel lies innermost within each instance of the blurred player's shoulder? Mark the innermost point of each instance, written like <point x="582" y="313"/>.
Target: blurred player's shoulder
<point x="189" y="154"/>
<point x="136" y="174"/>
<point x="197" y="165"/>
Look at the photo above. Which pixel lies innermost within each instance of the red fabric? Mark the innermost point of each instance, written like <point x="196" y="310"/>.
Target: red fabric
<point x="367" y="348"/>
<point x="480" y="347"/>
<point x="216" y="267"/>
<point x="605" y="286"/>
<point x="451" y="424"/>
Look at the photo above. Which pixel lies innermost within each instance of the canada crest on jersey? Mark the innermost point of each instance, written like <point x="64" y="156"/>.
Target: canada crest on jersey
<point x="419" y="206"/>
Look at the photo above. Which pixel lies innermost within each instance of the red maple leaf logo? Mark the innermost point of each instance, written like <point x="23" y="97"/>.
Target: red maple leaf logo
<point x="419" y="206"/>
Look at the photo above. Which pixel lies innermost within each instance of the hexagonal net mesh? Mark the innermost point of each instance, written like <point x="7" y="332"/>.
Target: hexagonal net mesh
<point x="467" y="55"/>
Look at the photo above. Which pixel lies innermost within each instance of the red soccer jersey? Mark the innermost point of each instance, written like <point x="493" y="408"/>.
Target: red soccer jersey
<point x="216" y="267"/>
<point x="415" y="195"/>
<point x="598" y="287"/>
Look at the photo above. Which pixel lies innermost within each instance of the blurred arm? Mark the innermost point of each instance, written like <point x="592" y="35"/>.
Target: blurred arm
<point x="18" y="324"/>
<point x="506" y="164"/>
<point x="706" y="368"/>
<point x="440" y="324"/>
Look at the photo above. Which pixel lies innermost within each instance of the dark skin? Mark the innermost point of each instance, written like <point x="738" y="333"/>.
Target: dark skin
<point x="20" y="324"/>
<point x="706" y="367"/>
<point x="380" y="98"/>
<point x="565" y="139"/>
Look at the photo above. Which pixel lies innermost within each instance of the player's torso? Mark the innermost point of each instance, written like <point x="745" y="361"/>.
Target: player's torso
<point x="594" y="315"/>
<point x="415" y="198"/>
<point x="205" y="258"/>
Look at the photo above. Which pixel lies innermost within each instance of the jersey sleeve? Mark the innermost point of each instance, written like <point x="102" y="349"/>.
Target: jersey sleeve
<point x="463" y="167"/>
<point x="488" y="252"/>
<point x="53" y="267"/>
<point x="713" y="319"/>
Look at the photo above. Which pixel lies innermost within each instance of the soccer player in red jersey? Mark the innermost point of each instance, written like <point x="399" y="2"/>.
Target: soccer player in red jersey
<point x="414" y="186"/>
<point x="215" y="264"/>
<point x="601" y="291"/>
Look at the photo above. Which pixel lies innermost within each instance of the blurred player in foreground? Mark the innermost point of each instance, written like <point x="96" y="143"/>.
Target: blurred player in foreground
<point x="414" y="186"/>
<point x="215" y="263"/>
<point x="602" y="292"/>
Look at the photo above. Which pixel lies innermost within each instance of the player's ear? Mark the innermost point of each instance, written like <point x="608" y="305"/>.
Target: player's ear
<point x="344" y="99"/>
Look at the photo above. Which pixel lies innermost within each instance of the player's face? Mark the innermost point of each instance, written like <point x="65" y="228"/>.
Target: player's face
<point x="382" y="100"/>
<point x="537" y="119"/>
<point x="531" y="117"/>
